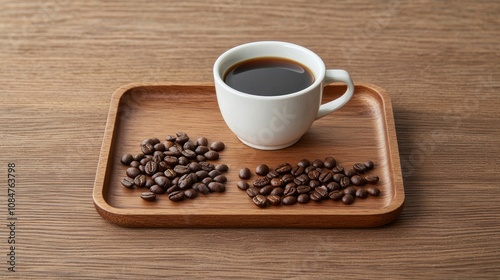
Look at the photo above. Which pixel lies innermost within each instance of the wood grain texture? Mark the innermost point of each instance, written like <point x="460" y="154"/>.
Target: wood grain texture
<point x="62" y="60"/>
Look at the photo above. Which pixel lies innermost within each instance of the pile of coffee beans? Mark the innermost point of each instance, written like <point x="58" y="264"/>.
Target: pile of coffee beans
<point x="179" y="167"/>
<point x="307" y="181"/>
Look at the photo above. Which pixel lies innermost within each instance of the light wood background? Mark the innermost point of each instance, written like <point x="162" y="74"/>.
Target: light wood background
<point x="61" y="60"/>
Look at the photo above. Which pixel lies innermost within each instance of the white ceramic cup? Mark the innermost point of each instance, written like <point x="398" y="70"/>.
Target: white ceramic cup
<point x="276" y="122"/>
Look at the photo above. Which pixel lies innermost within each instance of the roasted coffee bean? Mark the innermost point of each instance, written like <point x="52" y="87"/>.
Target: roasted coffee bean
<point x="170" y="138"/>
<point x="181" y="138"/>
<point x="145" y="160"/>
<point x="217" y="146"/>
<point x="126" y="159"/>
<point x="337" y="177"/>
<point x="276" y="182"/>
<point x="171" y="160"/>
<point x="214" y="173"/>
<point x="207" y="166"/>
<point x="148" y="196"/>
<point x="304" y="163"/>
<point x="211" y="155"/>
<point x="176" y="196"/>
<point x="170" y="173"/>
<point x="322" y="190"/>
<point x="359" y="167"/>
<point x="157" y="189"/>
<point x="245" y="173"/>
<point x="344" y="182"/>
<point x="190" y="193"/>
<point x="374" y="191"/>
<point x="350" y="172"/>
<point x="309" y="169"/>
<point x="330" y="162"/>
<point x="135" y="164"/>
<point x="162" y="166"/>
<point x="333" y="186"/>
<point x="350" y="190"/>
<point x="151" y="167"/>
<point x="189" y="154"/>
<point x="201" y="150"/>
<point x="186" y="181"/>
<point x="128" y="183"/>
<point x="157" y="174"/>
<point x="361" y="193"/>
<point x="202" y="174"/>
<point x="183" y="160"/>
<point x="262" y="169"/>
<point x="149" y="182"/>
<point x="159" y="147"/>
<point x="336" y="195"/>
<point x="297" y="170"/>
<point x="302" y="179"/>
<point x="242" y="185"/>
<point x="172" y="189"/>
<point x="132" y="172"/>
<point x="157" y="157"/>
<point x="140" y="180"/>
<point x="290" y="190"/>
<point x="259" y="183"/>
<point x="138" y="157"/>
<point x="216" y="187"/>
<point x="194" y="166"/>
<point x="201" y="188"/>
<point x="303" y="198"/>
<point x="207" y="180"/>
<point x="202" y="141"/>
<point x="325" y="177"/>
<point x="175" y="181"/>
<point x="168" y="144"/>
<point x="265" y="190"/>
<point x="372" y="179"/>
<point x="220" y="178"/>
<point x="272" y="174"/>
<point x="274" y="199"/>
<point x="278" y="191"/>
<point x="223" y="168"/>
<point x="181" y="169"/>
<point x="189" y="146"/>
<point x="315" y="196"/>
<point x="141" y="168"/>
<point x="338" y="169"/>
<point x="314" y="183"/>
<point x="260" y="200"/>
<point x="287" y="178"/>
<point x="303" y="189"/>
<point x="317" y="163"/>
<point x="314" y="174"/>
<point x="283" y="168"/>
<point x="369" y="164"/>
<point x="252" y="191"/>
<point x="358" y="180"/>
<point x="147" y="149"/>
<point x="200" y="158"/>
<point x="289" y="200"/>
<point x="163" y="182"/>
<point x="173" y="151"/>
<point x="348" y="199"/>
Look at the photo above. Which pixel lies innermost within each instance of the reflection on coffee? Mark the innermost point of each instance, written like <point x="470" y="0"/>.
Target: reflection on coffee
<point x="268" y="76"/>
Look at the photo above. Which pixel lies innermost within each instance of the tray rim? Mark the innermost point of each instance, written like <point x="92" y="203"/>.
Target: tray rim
<point x="122" y="216"/>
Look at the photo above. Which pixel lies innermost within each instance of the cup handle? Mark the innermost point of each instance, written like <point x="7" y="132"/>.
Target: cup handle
<point x="336" y="75"/>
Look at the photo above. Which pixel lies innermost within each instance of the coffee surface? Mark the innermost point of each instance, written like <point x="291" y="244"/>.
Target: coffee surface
<point x="268" y="76"/>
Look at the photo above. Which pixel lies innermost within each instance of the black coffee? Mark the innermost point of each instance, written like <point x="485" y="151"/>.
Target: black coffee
<point x="268" y="76"/>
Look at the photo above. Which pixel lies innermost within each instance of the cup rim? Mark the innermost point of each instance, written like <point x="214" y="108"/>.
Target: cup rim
<point x="317" y="80"/>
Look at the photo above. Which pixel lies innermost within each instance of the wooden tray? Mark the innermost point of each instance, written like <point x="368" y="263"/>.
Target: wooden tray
<point x="361" y="130"/>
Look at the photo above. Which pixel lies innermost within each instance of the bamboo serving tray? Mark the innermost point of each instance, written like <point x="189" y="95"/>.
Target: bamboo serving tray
<point x="361" y="130"/>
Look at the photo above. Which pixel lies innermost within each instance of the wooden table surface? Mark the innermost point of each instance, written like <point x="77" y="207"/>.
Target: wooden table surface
<point x="61" y="61"/>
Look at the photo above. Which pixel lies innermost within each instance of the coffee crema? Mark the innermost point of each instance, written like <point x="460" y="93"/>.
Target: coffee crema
<point x="268" y="76"/>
